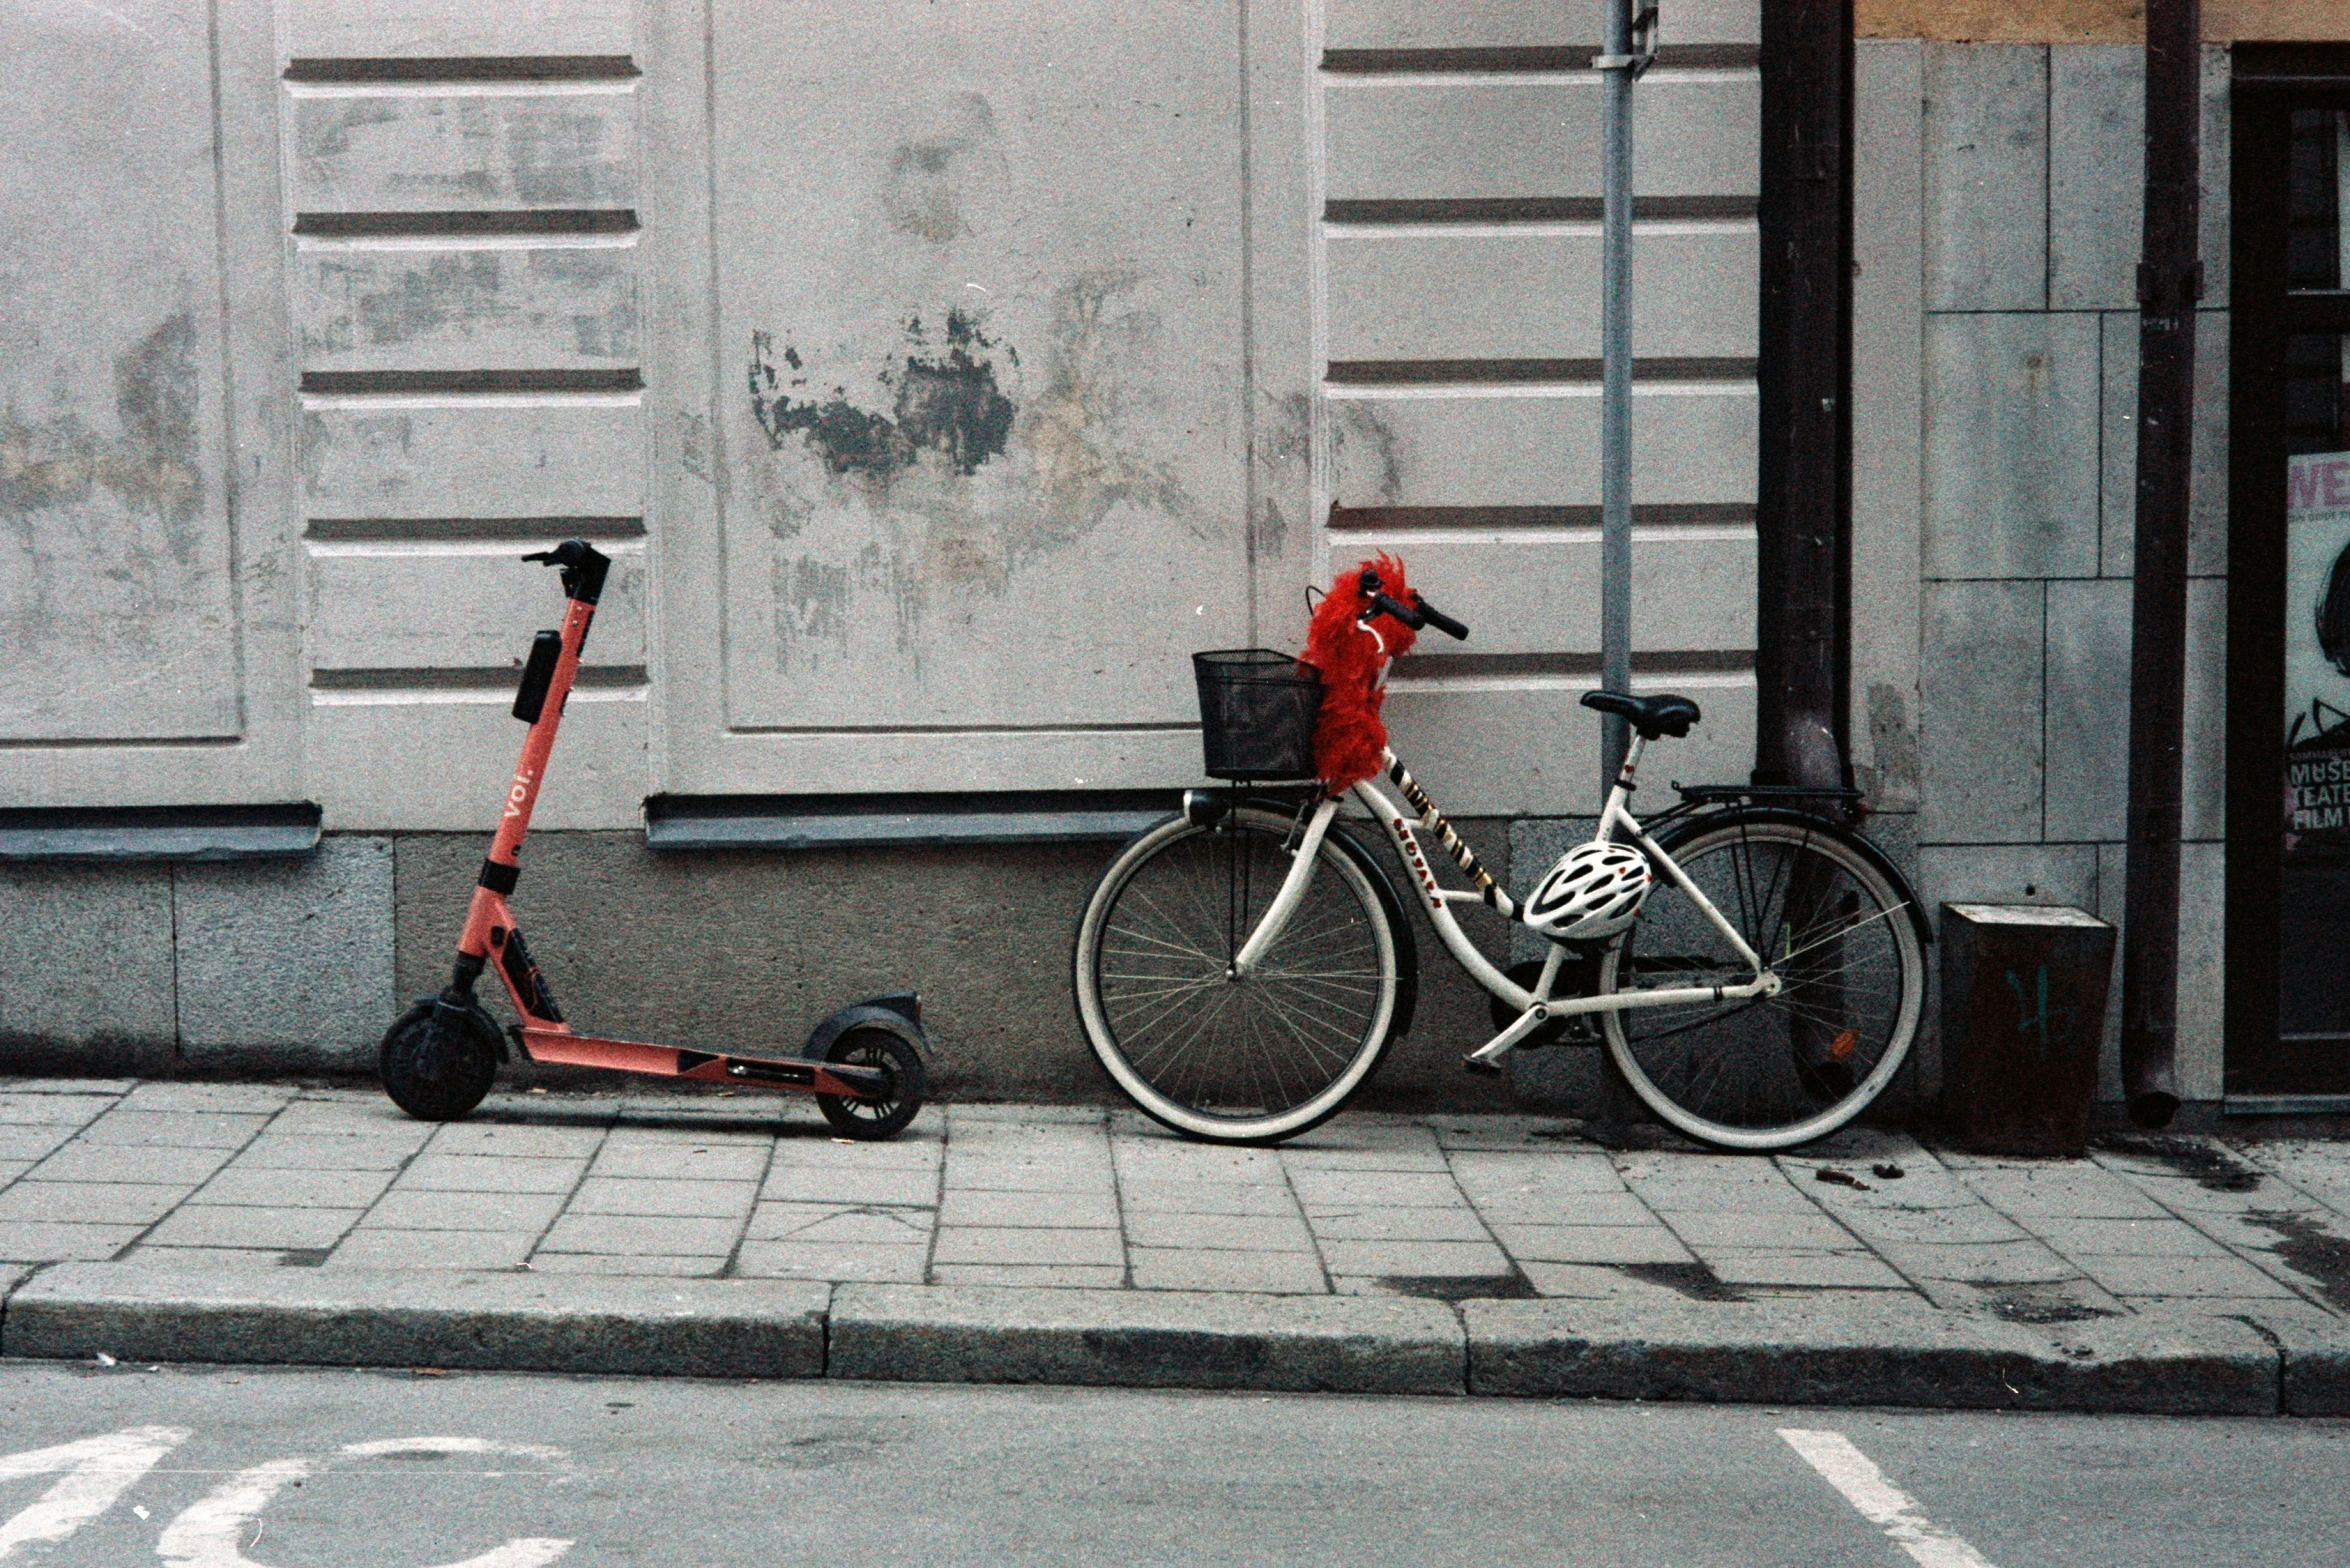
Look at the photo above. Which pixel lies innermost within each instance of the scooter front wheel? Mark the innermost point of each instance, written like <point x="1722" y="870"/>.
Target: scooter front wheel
<point x="432" y="1077"/>
<point x="871" y="1120"/>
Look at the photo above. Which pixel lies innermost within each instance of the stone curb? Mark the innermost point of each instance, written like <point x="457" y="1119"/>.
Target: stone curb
<point x="489" y="1322"/>
<point x="1163" y="1339"/>
<point x="1788" y="1352"/>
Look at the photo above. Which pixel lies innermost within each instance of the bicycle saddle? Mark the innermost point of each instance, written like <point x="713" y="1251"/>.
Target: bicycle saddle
<point x="1662" y="714"/>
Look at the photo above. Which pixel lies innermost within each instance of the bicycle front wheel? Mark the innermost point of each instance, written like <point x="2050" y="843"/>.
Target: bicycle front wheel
<point x="1768" y="1072"/>
<point x="1247" y="1060"/>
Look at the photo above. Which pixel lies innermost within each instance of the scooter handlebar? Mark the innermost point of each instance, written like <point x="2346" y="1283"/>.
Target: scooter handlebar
<point x="584" y="568"/>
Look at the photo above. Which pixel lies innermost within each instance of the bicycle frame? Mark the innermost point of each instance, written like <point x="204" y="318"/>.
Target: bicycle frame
<point x="1535" y="1007"/>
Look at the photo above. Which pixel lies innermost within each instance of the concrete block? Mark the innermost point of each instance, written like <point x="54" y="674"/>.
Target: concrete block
<point x="1202" y="1268"/>
<point x="2316" y="1362"/>
<point x="2203" y="800"/>
<point x="666" y="1265"/>
<point x="1783" y="1268"/>
<point x="46" y="1241"/>
<point x="865" y="1263"/>
<point x="1986" y="157"/>
<point x="177" y="1130"/>
<point x="2009" y="874"/>
<point x="1065" y="1210"/>
<point x="288" y="965"/>
<point x="669" y="1159"/>
<point x="1032" y="1276"/>
<point x="832" y="1184"/>
<point x="2087" y="729"/>
<point x="85" y="968"/>
<point x="478" y="1173"/>
<point x="1146" y="1339"/>
<point x="2011" y="477"/>
<point x="78" y="1161"/>
<point x="2207" y="523"/>
<point x="981" y="1244"/>
<point x="1218" y="1232"/>
<point x="635" y="1234"/>
<point x="666" y="1328"/>
<point x="88" y="1202"/>
<point x="1608" y="1244"/>
<point x="2096" y="132"/>
<point x="432" y="1249"/>
<point x="617" y="1195"/>
<point x="306" y="1189"/>
<point x="2202" y="996"/>
<point x="1411" y="1260"/>
<point x="465" y="1211"/>
<point x="1980" y="697"/>
<point x="277" y="1229"/>
<point x="817" y="1222"/>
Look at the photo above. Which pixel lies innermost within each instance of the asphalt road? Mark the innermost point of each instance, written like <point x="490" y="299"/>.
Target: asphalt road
<point x="343" y="1469"/>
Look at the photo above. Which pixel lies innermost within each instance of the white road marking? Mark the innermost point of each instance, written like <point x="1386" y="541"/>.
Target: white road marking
<point x="98" y="1470"/>
<point x="1880" y="1502"/>
<point x="208" y="1534"/>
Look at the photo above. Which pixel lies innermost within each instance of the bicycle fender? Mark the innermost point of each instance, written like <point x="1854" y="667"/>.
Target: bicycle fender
<point x="1876" y="857"/>
<point x="890" y="1014"/>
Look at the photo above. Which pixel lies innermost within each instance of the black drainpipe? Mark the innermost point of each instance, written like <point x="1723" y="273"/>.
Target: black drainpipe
<point x="2170" y="280"/>
<point x="1802" y="488"/>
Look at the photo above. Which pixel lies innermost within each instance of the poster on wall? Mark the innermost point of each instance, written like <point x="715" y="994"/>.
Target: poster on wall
<point x="2317" y="653"/>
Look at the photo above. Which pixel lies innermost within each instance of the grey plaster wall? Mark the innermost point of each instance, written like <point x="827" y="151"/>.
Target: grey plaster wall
<point x="1998" y="266"/>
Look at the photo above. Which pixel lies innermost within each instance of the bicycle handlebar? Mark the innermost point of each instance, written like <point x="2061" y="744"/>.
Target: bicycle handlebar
<point x="1418" y="615"/>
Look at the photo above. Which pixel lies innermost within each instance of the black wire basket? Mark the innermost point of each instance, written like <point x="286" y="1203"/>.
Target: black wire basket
<point x="1256" y="714"/>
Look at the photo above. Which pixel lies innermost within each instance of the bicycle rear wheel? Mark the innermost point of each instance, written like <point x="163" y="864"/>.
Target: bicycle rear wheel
<point x="1768" y="1072"/>
<point x="1237" y="1061"/>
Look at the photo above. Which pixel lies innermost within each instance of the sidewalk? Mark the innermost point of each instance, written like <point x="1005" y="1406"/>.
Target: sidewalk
<point x="193" y="1221"/>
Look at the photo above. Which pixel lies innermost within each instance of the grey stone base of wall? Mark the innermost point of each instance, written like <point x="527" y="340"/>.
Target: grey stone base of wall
<point x="298" y="966"/>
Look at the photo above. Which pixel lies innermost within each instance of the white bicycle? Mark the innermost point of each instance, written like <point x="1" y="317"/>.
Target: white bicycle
<point x="1755" y="967"/>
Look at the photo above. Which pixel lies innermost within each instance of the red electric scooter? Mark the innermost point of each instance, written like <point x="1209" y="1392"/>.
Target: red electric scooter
<point x="864" y="1064"/>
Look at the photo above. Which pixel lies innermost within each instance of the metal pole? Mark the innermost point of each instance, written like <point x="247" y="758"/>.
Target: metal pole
<point x="1620" y="66"/>
<point x="2170" y="280"/>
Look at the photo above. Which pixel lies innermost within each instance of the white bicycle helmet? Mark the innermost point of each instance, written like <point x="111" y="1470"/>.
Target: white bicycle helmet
<point x="1594" y="891"/>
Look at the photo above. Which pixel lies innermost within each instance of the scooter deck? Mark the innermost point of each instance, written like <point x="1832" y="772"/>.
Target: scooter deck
<point x="789" y="1074"/>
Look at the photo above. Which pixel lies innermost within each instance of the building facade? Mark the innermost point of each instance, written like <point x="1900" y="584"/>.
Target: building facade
<point x="940" y="376"/>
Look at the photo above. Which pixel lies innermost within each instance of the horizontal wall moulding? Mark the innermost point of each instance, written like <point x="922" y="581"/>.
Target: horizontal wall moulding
<point x="160" y="832"/>
<point x="1018" y="730"/>
<point x="1395" y="519"/>
<point x="1566" y="57"/>
<point x="466" y="68"/>
<point x="407" y="382"/>
<point x="591" y="677"/>
<point x="450" y="225"/>
<point x="465" y="531"/>
<point x="1375" y="372"/>
<point x="780" y="822"/>
<point x="1646" y="667"/>
<point x="1531" y="209"/>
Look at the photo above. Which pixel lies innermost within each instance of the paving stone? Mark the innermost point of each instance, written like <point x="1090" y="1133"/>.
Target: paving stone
<point x="1412" y="1259"/>
<point x="813" y="1222"/>
<point x="2214" y="1276"/>
<point x="1979" y="1225"/>
<point x="669" y="1265"/>
<point x="1016" y="1120"/>
<point x="531" y="1211"/>
<point x="208" y="1257"/>
<point x="32" y="1241"/>
<point x="1402" y="1224"/>
<point x="1505" y="1134"/>
<point x="165" y="1095"/>
<point x="10" y="1170"/>
<point x="1812" y="1232"/>
<point x="2183" y="1197"/>
<point x="1219" y="1232"/>
<point x="832" y="1260"/>
<point x="489" y="1173"/>
<point x="88" y="1202"/>
<point x="1330" y="1148"/>
<point x="358" y="1116"/>
<point x="476" y="1137"/>
<point x="1012" y="1174"/>
<point x="683" y="1162"/>
<point x="975" y="1244"/>
<point x="1566" y="1208"/>
<point x="292" y="958"/>
<point x="1172" y="1160"/>
<point x="911" y="1186"/>
<point x="913" y="1149"/>
<point x="53" y="1110"/>
<point x="1771" y="1266"/>
<point x="263" y="1187"/>
<point x="1034" y="1276"/>
<point x="79" y="1161"/>
<point x="1205" y="1197"/>
<point x="20" y="1141"/>
<point x="368" y="1248"/>
<point x="1536" y="1175"/>
<point x="1588" y="1281"/>
<point x="1592" y="1243"/>
<point x="2074" y="1190"/>
<point x="174" y="1129"/>
<point x="2156" y="1238"/>
<point x="1201" y="1268"/>
<point x="1054" y="1210"/>
<point x="270" y="1229"/>
<point x="1347" y="1191"/>
<point x="275" y="1150"/>
<point x="718" y="1199"/>
<point x="641" y="1235"/>
<point x="1995" y="1263"/>
<point x="92" y="1086"/>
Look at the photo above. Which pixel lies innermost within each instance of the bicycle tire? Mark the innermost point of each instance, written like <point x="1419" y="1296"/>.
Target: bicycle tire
<point x="1253" y="1061"/>
<point x="1769" y="1072"/>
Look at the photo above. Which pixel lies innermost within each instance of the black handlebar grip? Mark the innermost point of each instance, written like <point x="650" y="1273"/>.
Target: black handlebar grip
<point x="1441" y="621"/>
<point x="1383" y="605"/>
<point x="583" y="566"/>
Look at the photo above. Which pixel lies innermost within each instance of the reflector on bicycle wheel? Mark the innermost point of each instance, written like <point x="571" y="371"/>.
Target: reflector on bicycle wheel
<point x="1256" y="714"/>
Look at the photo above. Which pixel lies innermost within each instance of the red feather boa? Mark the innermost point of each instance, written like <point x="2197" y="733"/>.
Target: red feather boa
<point x="1350" y="736"/>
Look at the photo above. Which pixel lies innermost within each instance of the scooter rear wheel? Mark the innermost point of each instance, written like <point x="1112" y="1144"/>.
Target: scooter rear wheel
<point x="872" y="1120"/>
<point x="467" y="1066"/>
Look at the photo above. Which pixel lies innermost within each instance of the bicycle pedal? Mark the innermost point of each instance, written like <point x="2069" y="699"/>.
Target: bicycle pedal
<point x="1470" y="1064"/>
